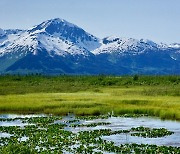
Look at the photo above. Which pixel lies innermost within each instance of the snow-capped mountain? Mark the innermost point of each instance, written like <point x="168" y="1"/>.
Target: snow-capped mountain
<point x="57" y="36"/>
<point x="62" y="29"/>
<point x="57" y="46"/>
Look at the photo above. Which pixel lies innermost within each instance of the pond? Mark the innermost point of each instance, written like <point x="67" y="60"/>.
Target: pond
<point x="70" y="134"/>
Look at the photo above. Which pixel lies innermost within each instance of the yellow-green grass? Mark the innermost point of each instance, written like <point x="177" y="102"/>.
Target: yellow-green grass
<point x="120" y="100"/>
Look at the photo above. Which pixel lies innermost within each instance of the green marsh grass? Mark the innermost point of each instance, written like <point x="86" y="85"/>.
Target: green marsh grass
<point x="91" y="95"/>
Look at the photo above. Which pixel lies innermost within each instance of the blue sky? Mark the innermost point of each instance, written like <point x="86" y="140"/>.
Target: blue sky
<point x="158" y="20"/>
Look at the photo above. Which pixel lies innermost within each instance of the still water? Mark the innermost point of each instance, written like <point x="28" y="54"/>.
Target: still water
<point x="116" y="123"/>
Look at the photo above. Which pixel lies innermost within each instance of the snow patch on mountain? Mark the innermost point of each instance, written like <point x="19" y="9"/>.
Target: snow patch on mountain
<point x="124" y="45"/>
<point x="175" y="45"/>
<point x="57" y="46"/>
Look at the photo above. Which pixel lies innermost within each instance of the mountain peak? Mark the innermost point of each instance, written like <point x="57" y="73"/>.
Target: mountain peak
<point x="52" y="25"/>
<point x="57" y="21"/>
<point x="65" y="30"/>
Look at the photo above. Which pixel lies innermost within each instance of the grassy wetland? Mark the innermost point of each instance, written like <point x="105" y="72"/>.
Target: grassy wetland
<point x="89" y="114"/>
<point x="91" y="95"/>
